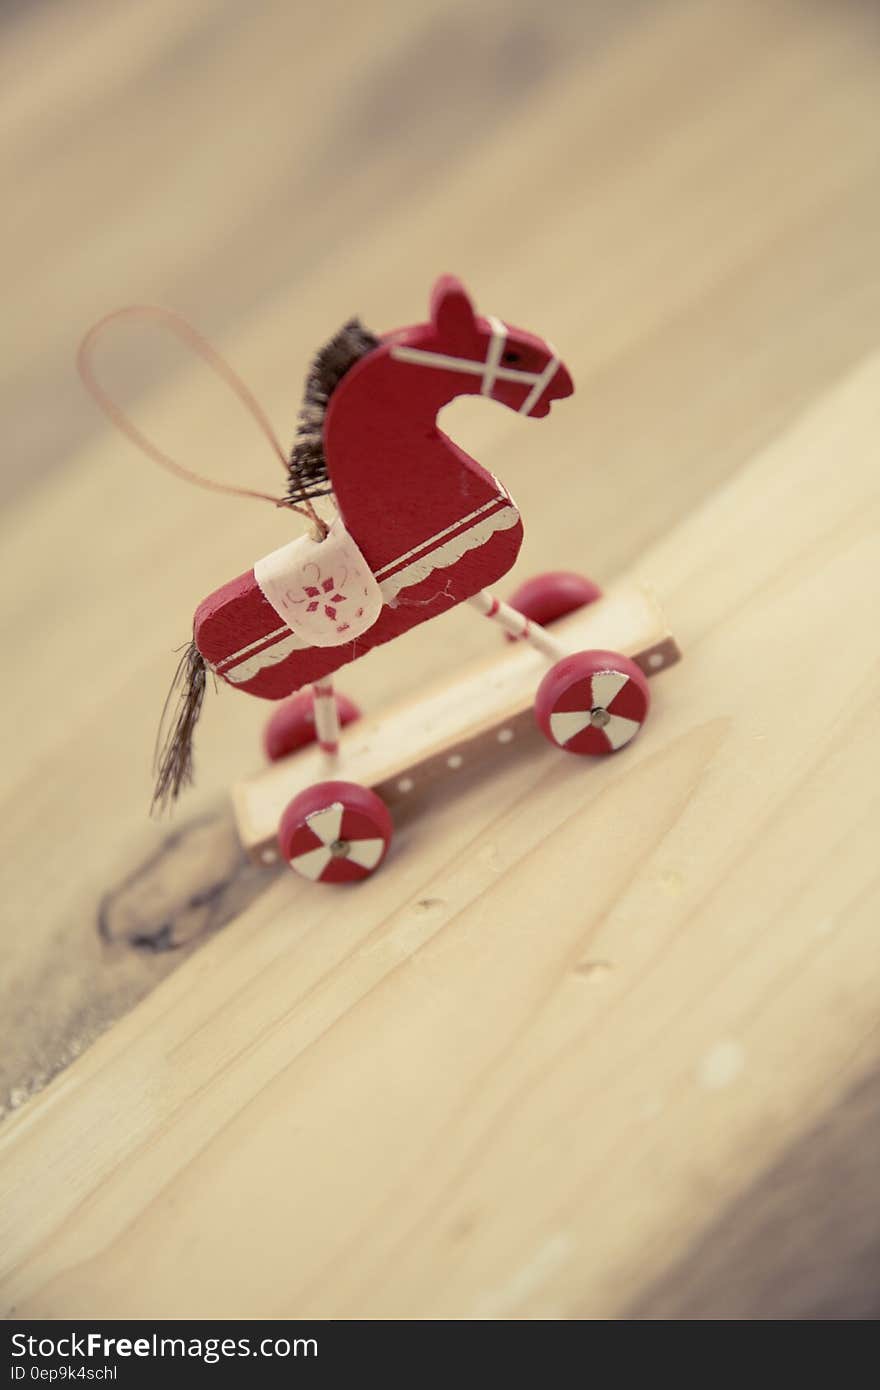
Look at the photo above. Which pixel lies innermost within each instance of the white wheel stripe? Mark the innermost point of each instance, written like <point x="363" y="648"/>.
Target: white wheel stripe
<point x="619" y="731"/>
<point x="326" y="824"/>
<point x="564" y="725"/>
<point x="607" y="684"/>
<point x="367" y="853"/>
<point x="313" y="863"/>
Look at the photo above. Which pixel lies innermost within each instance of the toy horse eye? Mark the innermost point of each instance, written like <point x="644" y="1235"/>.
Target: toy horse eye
<point x="511" y="357"/>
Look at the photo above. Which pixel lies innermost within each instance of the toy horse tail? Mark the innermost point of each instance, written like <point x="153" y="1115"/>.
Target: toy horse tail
<point x="173" y="763"/>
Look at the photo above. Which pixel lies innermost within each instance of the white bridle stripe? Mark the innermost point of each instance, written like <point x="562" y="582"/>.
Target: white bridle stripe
<point x="491" y="370"/>
<point x="541" y="384"/>
<point x="420" y="357"/>
<point x="493" y="356"/>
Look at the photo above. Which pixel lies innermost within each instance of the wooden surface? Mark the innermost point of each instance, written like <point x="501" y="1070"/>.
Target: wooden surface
<point x="554" y="1058"/>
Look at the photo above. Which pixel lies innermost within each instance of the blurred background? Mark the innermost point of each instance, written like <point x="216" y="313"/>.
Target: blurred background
<point x="684" y="195"/>
<point x="619" y="170"/>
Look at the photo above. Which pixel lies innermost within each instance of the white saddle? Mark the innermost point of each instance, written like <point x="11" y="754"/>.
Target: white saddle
<point x="324" y="591"/>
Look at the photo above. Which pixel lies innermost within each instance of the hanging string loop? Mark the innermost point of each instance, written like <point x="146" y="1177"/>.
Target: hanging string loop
<point x="191" y="337"/>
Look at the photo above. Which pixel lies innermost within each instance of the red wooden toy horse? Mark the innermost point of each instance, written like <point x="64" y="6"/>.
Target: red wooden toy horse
<point x="421" y="525"/>
<point x="418" y="528"/>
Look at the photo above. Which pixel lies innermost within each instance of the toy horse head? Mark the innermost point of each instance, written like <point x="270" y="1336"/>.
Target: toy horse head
<point x="485" y="356"/>
<point x="397" y="479"/>
<point x="398" y="382"/>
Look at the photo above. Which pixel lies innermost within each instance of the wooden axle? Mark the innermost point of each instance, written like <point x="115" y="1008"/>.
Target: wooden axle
<point x="486" y="709"/>
<point x="519" y="626"/>
<point x="326" y="716"/>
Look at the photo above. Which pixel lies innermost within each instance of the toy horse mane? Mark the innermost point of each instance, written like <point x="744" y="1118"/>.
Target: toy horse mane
<point x="307" y="468"/>
<point x="308" y="477"/>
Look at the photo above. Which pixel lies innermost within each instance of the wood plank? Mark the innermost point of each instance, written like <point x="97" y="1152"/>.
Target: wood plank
<point x="627" y="178"/>
<point x="518" y="1072"/>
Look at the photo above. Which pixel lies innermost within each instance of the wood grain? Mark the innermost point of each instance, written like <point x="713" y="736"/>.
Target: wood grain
<point x="525" y="1073"/>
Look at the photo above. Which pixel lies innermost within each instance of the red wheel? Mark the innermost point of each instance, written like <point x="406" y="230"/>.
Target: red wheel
<point x="592" y="702"/>
<point x="546" y="597"/>
<point x="335" y="832"/>
<point x="292" y="725"/>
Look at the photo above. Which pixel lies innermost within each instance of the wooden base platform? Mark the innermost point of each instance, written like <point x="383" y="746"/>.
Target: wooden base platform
<point x="482" y="712"/>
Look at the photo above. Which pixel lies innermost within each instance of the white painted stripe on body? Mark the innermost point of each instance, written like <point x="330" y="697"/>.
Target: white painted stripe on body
<point x="275" y="634"/>
<point x="443" y="556"/>
<point x="241" y="671"/>
<point x="432" y="540"/>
